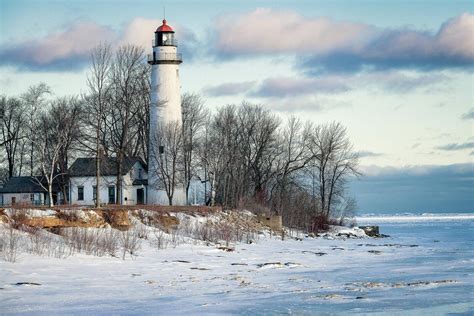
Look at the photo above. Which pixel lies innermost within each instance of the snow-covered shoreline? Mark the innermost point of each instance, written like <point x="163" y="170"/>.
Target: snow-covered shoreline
<point x="304" y="275"/>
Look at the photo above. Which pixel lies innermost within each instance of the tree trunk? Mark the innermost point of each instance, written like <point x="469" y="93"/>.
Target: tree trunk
<point x="50" y="192"/>
<point x="118" y="199"/>
<point x="97" y="172"/>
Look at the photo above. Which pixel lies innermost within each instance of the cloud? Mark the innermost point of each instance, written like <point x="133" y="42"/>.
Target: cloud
<point x="341" y="46"/>
<point x="366" y="153"/>
<point x="62" y="50"/>
<point x="266" y="31"/>
<point x="396" y="82"/>
<point x="306" y="103"/>
<point x="287" y="86"/>
<point x="456" y="146"/>
<point x="70" y="48"/>
<point x="469" y="115"/>
<point x="447" y="188"/>
<point x="230" y="88"/>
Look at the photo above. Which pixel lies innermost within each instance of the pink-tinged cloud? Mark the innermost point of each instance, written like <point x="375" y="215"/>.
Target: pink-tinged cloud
<point x="64" y="49"/>
<point x="266" y="31"/>
<point x="70" y="48"/>
<point x="328" y="44"/>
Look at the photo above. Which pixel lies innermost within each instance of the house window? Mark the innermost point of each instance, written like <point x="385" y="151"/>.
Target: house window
<point x="32" y="197"/>
<point x="139" y="173"/>
<point x="112" y="194"/>
<point x="80" y="193"/>
<point x="94" y="192"/>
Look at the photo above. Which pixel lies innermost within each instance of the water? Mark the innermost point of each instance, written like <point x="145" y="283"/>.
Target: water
<point x="445" y="252"/>
<point x="428" y="269"/>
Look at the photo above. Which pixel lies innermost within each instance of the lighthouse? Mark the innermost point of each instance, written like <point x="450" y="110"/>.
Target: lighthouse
<point x="165" y="108"/>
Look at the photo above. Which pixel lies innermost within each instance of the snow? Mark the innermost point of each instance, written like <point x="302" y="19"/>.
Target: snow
<point x="302" y="276"/>
<point x="32" y="212"/>
<point x="426" y="217"/>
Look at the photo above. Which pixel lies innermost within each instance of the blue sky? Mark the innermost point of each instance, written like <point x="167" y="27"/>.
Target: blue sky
<point x="398" y="74"/>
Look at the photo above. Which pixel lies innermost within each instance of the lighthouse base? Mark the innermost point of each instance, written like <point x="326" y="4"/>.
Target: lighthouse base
<point x="159" y="197"/>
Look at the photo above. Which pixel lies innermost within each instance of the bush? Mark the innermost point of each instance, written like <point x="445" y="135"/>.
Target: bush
<point x="319" y="224"/>
<point x="10" y="243"/>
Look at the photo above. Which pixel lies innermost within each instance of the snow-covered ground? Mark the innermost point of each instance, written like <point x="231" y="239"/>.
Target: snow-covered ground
<point x="431" y="271"/>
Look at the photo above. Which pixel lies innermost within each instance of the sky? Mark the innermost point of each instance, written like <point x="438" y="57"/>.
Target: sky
<point x="397" y="74"/>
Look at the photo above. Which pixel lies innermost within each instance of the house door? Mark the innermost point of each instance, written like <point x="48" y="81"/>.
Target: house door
<point x="140" y="196"/>
<point x="112" y="194"/>
<point x="13" y="200"/>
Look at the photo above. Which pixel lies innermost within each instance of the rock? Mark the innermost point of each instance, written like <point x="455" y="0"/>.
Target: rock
<point x="27" y="283"/>
<point x="118" y="219"/>
<point x="315" y="253"/>
<point x="375" y="252"/>
<point x="269" y="264"/>
<point x="371" y="231"/>
<point x="227" y="249"/>
<point x="95" y="221"/>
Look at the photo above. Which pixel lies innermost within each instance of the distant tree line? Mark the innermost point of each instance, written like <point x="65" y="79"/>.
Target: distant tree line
<point x="244" y="155"/>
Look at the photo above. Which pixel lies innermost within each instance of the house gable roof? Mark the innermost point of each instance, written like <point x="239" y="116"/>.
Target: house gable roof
<point x="26" y="185"/>
<point x="86" y="167"/>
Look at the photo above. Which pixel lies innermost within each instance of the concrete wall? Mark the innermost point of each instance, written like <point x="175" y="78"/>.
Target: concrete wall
<point x="274" y="222"/>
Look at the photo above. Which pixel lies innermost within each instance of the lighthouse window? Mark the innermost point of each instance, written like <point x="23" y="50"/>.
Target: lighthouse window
<point x="177" y="72"/>
<point x="167" y="39"/>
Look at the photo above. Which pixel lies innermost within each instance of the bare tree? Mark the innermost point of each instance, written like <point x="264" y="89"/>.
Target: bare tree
<point x="334" y="162"/>
<point x="293" y="156"/>
<point x="258" y="139"/>
<point x="99" y="87"/>
<point x="34" y="100"/>
<point x="126" y="75"/>
<point x="67" y="112"/>
<point x="48" y="148"/>
<point x="194" y="116"/>
<point x="166" y="149"/>
<point x="13" y="120"/>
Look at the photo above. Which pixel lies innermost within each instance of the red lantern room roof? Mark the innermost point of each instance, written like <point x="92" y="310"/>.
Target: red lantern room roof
<point x="164" y="28"/>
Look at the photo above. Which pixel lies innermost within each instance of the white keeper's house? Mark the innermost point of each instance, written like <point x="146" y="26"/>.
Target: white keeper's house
<point x="82" y="181"/>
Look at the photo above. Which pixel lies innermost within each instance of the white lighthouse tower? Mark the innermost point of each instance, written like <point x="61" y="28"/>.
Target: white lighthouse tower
<point x="165" y="106"/>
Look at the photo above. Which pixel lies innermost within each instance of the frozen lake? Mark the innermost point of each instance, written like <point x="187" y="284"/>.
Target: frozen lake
<point x="424" y="267"/>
